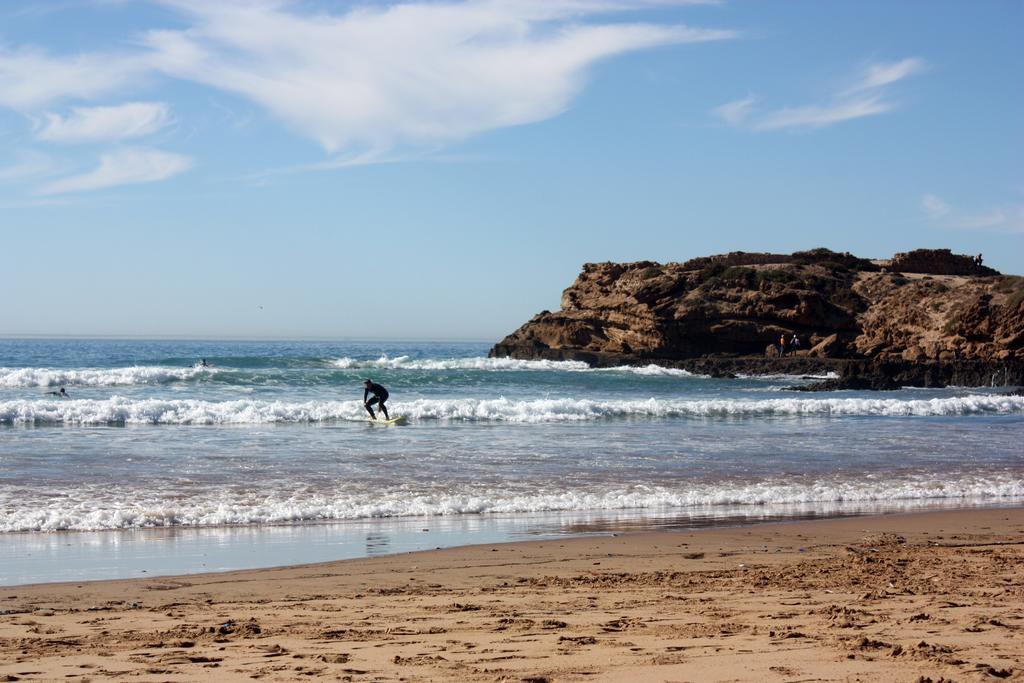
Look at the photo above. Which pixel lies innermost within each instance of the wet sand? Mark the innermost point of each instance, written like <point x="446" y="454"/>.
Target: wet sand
<point x="916" y="597"/>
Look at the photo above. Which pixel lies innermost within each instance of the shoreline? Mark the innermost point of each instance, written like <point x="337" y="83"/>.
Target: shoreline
<point x="886" y="597"/>
<point x="37" y="557"/>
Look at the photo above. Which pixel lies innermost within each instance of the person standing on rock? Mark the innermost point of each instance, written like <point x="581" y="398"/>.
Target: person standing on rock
<point x="782" y="345"/>
<point x="795" y="343"/>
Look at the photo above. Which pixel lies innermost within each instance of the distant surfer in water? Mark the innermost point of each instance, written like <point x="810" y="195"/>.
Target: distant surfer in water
<point x="61" y="393"/>
<point x="380" y="394"/>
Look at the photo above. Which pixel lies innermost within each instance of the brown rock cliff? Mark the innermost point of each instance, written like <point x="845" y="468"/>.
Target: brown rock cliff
<point x="738" y="305"/>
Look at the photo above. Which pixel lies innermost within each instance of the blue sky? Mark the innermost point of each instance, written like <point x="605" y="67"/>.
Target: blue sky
<point x="443" y="169"/>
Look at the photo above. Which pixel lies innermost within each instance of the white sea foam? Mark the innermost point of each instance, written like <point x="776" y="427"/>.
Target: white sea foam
<point x="122" y="410"/>
<point x="778" y="376"/>
<point x="94" y="377"/>
<point x="114" y="508"/>
<point x="649" y="371"/>
<point x="478" y="363"/>
<point x="501" y="364"/>
<point x="145" y="374"/>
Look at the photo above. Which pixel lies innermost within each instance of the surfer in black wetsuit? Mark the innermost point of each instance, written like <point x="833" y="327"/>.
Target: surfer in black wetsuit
<point x="380" y="394"/>
<point x="61" y="393"/>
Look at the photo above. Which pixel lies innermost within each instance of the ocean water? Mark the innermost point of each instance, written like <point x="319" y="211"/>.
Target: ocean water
<point x="154" y="462"/>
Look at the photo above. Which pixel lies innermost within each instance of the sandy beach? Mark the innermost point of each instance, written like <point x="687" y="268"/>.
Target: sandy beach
<point x="918" y="597"/>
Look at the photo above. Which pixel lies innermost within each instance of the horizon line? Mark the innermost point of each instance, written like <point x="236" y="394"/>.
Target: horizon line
<point x="146" y="337"/>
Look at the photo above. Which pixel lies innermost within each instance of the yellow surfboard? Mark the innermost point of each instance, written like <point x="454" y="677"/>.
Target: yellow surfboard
<point x="400" y="420"/>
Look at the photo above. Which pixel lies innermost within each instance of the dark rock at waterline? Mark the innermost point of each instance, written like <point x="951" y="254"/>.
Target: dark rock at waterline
<point x="950" y="320"/>
<point x="896" y="374"/>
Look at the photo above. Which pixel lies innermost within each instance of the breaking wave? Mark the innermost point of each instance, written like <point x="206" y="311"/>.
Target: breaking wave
<point x="96" y="377"/>
<point x="649" y="371"/>
<point x="146" y="374"/>
<point x="499" y="364"/>
<point x="479" y="363"/>
<point x="113" y="508"/>
<point x="119" y="410"/>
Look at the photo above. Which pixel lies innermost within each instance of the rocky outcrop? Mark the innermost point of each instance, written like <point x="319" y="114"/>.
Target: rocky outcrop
<point x="891" y="373"/>
<point x="939" y="262"/>
<point x="813" y="256"/>
<point x="829" y="347"/>
<point x="728" y="312"/>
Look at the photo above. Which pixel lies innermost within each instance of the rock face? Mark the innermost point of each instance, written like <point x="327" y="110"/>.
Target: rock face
<point x="847" y="312"/>
<point x="939" y="262"/>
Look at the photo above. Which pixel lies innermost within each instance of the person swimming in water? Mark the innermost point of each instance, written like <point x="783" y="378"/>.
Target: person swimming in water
<point x="61" y="393"/>
<point x="380" y="395"/>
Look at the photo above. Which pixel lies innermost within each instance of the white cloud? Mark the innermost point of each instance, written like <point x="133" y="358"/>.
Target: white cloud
<point x="120" y="122"/>
<point x="998" y="219"/>
<point x="820" y="116"/>
<point x="378" y="77"/>
<point x="31" y="78"/>
<point x="734" y="112"/>
<point x="122" y="167"/>
<point x="993" y="218"/>
<point x="32" y="203"/>
<point x="867" y="97"/>
<point x="29" y="164"/>
<point x="934" y="206"/>
<point x="370" y="82"/>
<point x="883" y="73"/>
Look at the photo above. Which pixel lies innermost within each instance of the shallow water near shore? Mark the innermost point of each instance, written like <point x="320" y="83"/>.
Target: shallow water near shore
<point x="174" y="551"/>
<point x="268" y="457"/>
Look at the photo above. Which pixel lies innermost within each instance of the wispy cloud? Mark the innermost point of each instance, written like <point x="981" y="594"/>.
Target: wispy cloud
<point x="866" y="97"/>
<point x="434" y="155"/>
<point x="821" y="116"/>
<point x="124" y="166"/>
<point x="996" y="219"/>
<point x="365" y="158"/>
<point x="120" y="122"/>
<point x="33" y="203"/>
<point x="736" y="111"/>
<point x="934" y="207"/>
<point x="379" y="77"/>
<point x="31" y="78"/>
<point x="29" y="164"/>
<point x="369" y="83"/>
<point x="882" y="74"/>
